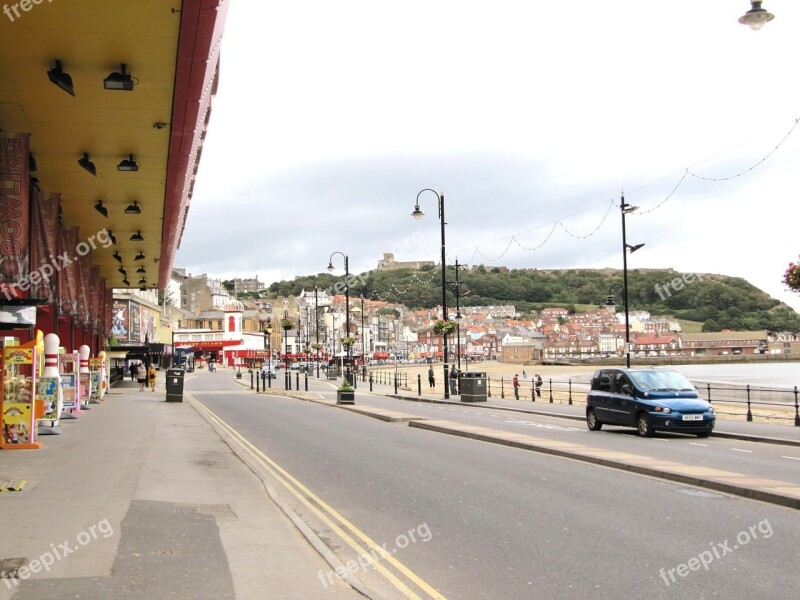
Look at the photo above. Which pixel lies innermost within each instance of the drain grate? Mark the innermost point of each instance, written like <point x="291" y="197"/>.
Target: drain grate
<point x="221" y="512"/>
<point x="10" y="566"/>
<point x="14" y="485"/>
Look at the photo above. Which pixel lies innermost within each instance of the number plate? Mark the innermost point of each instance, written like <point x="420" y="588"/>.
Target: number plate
<point x="692" y="417"/>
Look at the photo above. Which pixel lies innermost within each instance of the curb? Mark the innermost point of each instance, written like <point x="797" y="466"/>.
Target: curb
<point x="754" y="494"/>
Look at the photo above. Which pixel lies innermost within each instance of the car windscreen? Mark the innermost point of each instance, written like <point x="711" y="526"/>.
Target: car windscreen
<point x="661" y="381"/>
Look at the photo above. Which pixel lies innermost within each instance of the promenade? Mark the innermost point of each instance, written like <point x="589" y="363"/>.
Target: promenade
<point x="140" y="498"/>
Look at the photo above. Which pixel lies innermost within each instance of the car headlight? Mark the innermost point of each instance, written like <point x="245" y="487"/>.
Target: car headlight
<point x="667" y="409"/>
<point x="711" y="409"/>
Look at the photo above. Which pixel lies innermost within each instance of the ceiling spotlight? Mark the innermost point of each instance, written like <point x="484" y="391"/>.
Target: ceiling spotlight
<point x="87" y="164"/>
<point x="112" y="237"/>
<point x="143" y="289"/>
<point x="143" y="281"/>
<point x="137" y="237"/>
<point x="57" y="76"/>
<point x="141" y="270"/>
<point x="98" y="206"/>
<point x="119" y="81"/>
<point x="133" y="209"/>
<point x="128" y="164"/>
<point x="123" y="271"/>
<point x="117" y="257"/>
<point x="126" y="282"/>
<point x="31" y="163"/>
<point x="139" y="256"/>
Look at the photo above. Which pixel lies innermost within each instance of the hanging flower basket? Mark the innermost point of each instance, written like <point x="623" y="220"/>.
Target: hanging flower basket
<point x="316" y="346"/>
<point x="287" y="324"/>
<point x="348" y="341"/>
<point x="444" y="327"/>
<point x="792" y="277"/>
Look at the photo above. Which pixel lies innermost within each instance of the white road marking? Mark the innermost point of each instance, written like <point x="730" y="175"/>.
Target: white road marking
<point x="696" y="444"/>
<point x="791" y="457"/>
<point x="740" y="450"/>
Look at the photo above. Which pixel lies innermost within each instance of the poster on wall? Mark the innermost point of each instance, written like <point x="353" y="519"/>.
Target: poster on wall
<point x="135" y="332"/>
<point x="119" y="321"/>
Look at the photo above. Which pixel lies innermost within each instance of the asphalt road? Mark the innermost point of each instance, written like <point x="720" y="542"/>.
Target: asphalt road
<point x="506" y="523"/>
<point x="757" y="459"/>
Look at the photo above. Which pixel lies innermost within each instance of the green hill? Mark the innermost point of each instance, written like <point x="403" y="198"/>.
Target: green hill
<point x="717" y="301"/>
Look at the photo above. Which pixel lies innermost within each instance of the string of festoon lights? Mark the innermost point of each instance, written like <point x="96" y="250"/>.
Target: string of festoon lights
<point x="611" y="203"/>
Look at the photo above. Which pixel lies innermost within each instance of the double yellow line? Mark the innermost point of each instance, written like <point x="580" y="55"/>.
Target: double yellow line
<point x="346" y="530"/>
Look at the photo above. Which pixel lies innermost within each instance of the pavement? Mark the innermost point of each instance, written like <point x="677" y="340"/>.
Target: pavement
<point x="142" y="498"/>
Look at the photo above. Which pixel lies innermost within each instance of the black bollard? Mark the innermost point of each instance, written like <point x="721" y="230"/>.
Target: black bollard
<point x="419" y="384"/>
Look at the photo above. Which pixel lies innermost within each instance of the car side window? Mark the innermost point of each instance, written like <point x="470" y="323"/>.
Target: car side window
<point x="622" y="385"/>
<point x="603" y="383"/>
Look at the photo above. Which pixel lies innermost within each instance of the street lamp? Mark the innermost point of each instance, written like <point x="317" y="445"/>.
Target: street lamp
<point x="626" y="247"/>
<point x="418" y="214"/>
<point x="756" y="17"/>
<point x="346" y="303"/>
<point x="268" y="348"/>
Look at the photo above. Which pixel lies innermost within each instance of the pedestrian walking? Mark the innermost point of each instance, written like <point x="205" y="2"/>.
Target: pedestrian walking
<point x="133" y="368"/>
<point x="453" y="380"/>
<point x="141" y="376"/>
<point x="515" y="383"/>
<point x="151" y="377"/>
<point x="538" y="386"/>
<point x="431" y="378"/>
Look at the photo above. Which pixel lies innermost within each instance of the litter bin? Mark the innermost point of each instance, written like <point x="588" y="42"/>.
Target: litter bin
<point x="473" y="387"/>
<point x="333" y="373"/>
<point x="175" y="385"/>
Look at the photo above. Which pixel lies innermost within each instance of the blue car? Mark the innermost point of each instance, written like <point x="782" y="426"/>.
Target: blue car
<point x="648" y="399"/>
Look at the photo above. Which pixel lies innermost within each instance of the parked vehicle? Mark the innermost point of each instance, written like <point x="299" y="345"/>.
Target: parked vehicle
<point x="648" y="399"/>
<point x="269" y="372"/>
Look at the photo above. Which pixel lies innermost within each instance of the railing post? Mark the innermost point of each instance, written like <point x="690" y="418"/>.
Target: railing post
<point x="749" y="414"/>
<point x="502" y="388"/>
<point x="570" y="391"/>
<point x="796" y="407"/>
<point x="419" y="384"/>
<point x="550" y="381"/>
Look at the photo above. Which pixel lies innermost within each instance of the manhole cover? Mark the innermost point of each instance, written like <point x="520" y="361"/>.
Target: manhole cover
<point x="221" y="512"/>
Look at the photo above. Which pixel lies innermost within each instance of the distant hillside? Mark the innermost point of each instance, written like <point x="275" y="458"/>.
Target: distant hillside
<point x="717" y="301"/>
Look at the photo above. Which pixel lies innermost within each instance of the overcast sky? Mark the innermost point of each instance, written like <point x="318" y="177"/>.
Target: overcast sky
<point x="531" y="117"/>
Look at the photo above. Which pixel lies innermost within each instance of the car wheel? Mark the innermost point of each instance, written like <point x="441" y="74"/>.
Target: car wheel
<point x="643" y="426"/>
<point x="592" y="422"/>
<point x="705" y="434"/>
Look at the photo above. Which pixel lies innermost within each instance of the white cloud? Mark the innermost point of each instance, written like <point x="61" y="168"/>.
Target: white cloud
<point x="330" y="117"/>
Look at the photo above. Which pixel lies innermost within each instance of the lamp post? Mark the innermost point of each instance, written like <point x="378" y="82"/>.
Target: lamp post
<point x="360" y="311"/>
<point x="346" y="304"/>
<point x="624" y="210"/>
<point x="418" y="214"/>
<point x="316" y="325"/>
<point x="457" y="287"/>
